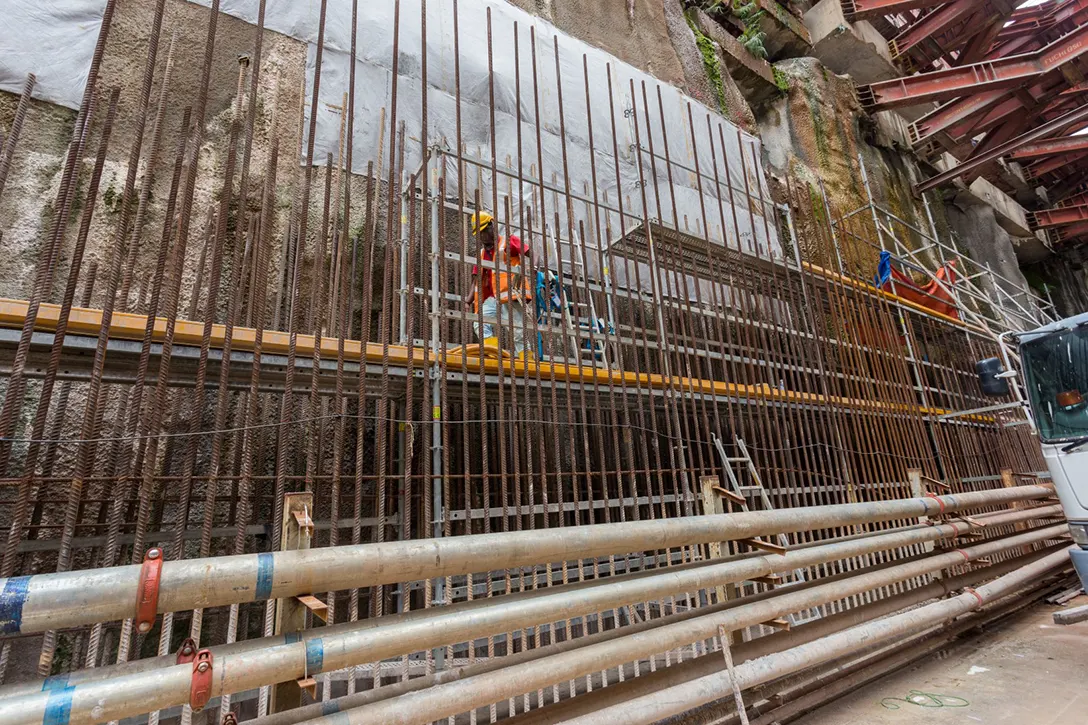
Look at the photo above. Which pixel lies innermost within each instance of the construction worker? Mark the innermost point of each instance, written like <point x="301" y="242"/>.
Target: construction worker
<point x="500" y="286"/>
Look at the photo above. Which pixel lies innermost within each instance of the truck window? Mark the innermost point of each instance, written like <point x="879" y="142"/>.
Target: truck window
<point x="1056" y="375"/>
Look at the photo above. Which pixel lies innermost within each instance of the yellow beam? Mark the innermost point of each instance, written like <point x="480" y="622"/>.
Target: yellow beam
<point x="129" y="326"/>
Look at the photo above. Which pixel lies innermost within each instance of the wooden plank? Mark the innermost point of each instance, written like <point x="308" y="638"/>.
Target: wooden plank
<point x="308" y="684"/>
<point x="1008" y="481"/>
<point x="728" y="655"/>
<point x="712" y="504"/>
<point x="297" y="528"/>
<point x="315" y="605"/>
<point x="1071" y="616"/>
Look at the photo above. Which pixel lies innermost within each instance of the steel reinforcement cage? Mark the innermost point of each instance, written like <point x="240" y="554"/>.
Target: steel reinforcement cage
<point x="328" y="347"/>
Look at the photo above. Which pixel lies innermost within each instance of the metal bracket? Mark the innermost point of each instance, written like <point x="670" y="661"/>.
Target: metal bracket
<point x="734" y="497"/>
<point x="187" y="651"/>
<point x="147" y="593"/>
<point x="765" y="546"/>
<point x="939" y="484"/>
<point x="200" y="688"/>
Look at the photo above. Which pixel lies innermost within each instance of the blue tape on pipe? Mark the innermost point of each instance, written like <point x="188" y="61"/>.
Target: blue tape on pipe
<point x="315" y="655"/>
<point x="292" y="637"/>
<point x="55" y="682"/>
<point x="264" y="577"/>
<point x="330" y="707"/>
<point x="58" y="708"/>
<point x="12" y="599"/>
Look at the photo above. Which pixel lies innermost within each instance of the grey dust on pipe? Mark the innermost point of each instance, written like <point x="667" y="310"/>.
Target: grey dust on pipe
<point x="753" y="648"/>
<point x="337" y="648"/>
<point x="601" y="590"/>
<point x="463" y="695"/>
<point x="70" y="599"/>
<point x="665" y="677"/>
<point x="678" y="699"/>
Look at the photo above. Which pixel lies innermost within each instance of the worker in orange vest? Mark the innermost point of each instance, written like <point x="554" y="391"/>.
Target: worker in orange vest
<point x="500" y="287"/>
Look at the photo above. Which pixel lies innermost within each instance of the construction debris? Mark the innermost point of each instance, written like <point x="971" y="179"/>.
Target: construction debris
<point x="1072" y="616"/>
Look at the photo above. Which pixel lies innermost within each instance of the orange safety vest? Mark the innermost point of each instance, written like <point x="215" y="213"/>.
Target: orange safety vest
<point x="508" y="280"/>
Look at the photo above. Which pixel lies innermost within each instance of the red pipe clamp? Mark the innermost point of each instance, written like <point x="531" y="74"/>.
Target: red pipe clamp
<point x="200" y="689"/>
<point x="147" y="594"/>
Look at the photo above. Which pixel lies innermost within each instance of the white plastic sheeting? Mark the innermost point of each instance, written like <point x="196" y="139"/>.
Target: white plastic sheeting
<point x="679" y="203"/>
<point x="54" y="39"/>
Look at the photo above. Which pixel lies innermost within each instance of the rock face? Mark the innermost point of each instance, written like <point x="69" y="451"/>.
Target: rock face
<point x="815" y="139"/>
<point x="983" y="238"/>
<point x="1066" y="281"/>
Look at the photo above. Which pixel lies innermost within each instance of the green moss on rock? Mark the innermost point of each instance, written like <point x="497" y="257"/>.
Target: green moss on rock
<point x="711" y="62"/>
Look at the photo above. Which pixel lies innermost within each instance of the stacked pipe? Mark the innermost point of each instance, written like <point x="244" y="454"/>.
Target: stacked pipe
<point x="127" y="690"/>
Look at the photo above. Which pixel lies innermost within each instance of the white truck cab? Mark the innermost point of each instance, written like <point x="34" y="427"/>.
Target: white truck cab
<point x="1055" y="366"/>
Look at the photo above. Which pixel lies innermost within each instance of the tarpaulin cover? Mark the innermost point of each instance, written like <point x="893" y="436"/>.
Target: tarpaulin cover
<point x="577" y="61"/>
<point x="931" y="295"/>
<point x="54" y="39"/>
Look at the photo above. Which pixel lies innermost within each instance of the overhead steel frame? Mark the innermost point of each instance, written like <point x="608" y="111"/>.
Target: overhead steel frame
<point x="999" y="74"/>
<point x="1051" y="147"/>
<point x="1061" y="216"/>
<point x="998" y="151"/>
<point x="1002" y="71"/>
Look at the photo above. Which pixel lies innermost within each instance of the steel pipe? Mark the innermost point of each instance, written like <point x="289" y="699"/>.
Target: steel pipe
<point x="675" y="700"/>
<point x="340" y="646"/>
<point x="604" y="590"/>
<point x="69" y="599"/>
<point x="894" y="657"/>
<point x="456" y="697"/>
<point x="747" y="650"/>
<point x="691" y="669"/>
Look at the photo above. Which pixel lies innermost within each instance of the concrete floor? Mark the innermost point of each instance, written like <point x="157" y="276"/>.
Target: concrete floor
<point x="1026" y="670"/>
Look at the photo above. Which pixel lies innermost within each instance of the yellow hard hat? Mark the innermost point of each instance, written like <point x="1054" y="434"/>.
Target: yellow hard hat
<point x="480" y="221"/>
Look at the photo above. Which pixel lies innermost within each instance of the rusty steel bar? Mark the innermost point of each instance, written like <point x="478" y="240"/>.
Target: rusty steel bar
<point x="677" y="323"/>
<point x="7" y="147"/>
